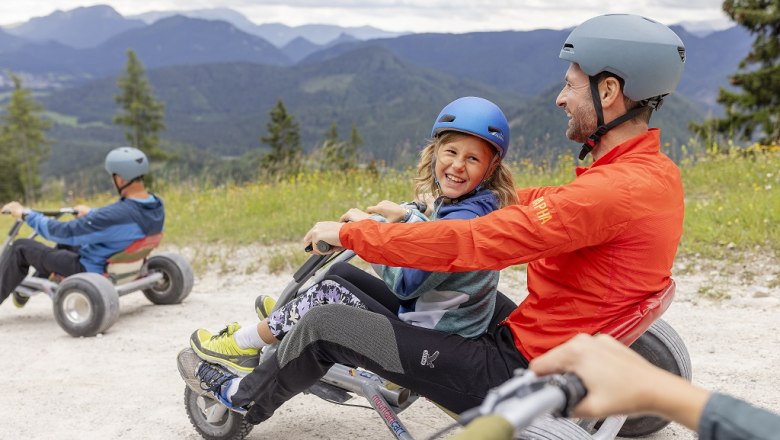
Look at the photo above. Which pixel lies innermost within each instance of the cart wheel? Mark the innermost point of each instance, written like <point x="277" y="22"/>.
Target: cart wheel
<point x="86" y="304"/>
<point x="212" y="420"/>
<point x="664" y="348"/>
<point x="548" y="427"/>
<point x="177" y="279"/>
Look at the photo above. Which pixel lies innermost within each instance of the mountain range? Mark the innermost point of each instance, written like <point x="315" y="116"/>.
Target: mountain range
<point x="219" y="74"/>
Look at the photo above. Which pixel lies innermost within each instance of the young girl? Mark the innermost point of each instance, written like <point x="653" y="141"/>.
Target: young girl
<point x="462" y="167"/>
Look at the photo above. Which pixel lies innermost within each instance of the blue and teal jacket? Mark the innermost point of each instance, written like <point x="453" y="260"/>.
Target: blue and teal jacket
<point x="459" y="303"/>
<point x="104" y="231"/>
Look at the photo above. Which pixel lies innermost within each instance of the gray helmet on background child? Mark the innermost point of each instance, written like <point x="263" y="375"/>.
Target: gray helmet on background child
<point x="127" y="162"/>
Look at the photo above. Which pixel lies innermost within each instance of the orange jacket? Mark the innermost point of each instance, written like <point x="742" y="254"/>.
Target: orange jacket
<point x="595" y="246"/>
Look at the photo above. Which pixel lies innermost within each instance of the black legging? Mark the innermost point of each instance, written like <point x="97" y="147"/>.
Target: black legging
<point x="449" y="369"/>
<point x="25" y="253"/>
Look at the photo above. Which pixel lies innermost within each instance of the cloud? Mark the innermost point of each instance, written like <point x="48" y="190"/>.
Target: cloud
<point x="403" y="15"/>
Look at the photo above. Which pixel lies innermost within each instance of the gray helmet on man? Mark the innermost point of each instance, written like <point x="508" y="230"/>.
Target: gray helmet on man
<point x="127" y="162"/>
<point x="648" y="57"/>
<point x="646" y="54"/>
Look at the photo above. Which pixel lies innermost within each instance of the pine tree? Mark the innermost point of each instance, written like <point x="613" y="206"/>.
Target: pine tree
<point x="353" y="146"/>
<point x="340" y="155"/>
<point x="23" y="145"/>
<point x="142" y="114"/>
<point x="332" y="149"/>
<point x="753" y="113"/>
<point x="284" y="140"/>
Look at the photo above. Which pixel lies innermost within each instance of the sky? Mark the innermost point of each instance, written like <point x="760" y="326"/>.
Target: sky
<point x="454" y="16"/>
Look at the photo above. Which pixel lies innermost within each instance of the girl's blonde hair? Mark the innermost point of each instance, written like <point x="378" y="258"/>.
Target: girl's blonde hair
<point x="499" y="181"/>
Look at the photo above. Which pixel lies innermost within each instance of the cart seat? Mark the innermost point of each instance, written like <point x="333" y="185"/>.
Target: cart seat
<point x="629" y="327"/>
<point x="126" y="265"/>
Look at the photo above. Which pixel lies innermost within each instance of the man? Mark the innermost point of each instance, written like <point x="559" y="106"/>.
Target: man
<point x="97" y="233"/>
<point x="619" y="381"/>
<point x="594" y="247"/>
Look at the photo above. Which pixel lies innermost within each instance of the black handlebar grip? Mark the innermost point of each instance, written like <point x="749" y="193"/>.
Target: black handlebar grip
<point x="575" y="391"/>
<point x="421" y="206"/>
<point x="321" y="246"/>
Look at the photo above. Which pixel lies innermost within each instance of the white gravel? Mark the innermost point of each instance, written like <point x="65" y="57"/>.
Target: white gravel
<point x="124" y="384"/>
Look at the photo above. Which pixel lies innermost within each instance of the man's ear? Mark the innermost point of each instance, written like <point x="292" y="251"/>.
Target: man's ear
<point x="609" y="92"/>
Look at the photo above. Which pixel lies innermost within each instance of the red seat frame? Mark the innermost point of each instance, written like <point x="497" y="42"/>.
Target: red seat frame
<point x="629" y="327"/>
<point x="129" y="262"/>
<point x="138" y="250"/>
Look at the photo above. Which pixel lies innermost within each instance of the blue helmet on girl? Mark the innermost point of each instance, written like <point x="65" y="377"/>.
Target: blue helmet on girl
<point x="475" y="116"/>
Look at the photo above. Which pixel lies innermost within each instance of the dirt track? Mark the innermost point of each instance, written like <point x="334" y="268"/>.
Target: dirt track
<point x="124" y="384"/>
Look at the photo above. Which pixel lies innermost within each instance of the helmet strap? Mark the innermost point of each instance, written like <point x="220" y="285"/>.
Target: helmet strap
<point x="119" y="189"/>
<point x="603" y="128"/>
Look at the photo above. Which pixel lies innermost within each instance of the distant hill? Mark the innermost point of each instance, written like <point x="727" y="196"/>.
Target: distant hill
<point x="527" y="62"/>
<point x="223" y="108"/>
<point x="276" y="33"/>
<point x="181" y="40"/>
<point x="300" y="48"/>
<point x="321" y="34"/>
<point x="80" y="28"/>
<point x="710" y="60"/>
<point x="171" y="41"/>
<point x="10" y="42"/>
<point x="521" y="62"/>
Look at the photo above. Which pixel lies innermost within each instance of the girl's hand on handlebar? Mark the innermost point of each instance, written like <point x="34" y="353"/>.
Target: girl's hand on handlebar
<point x="428" y="200"/>
<point x="354" y="215"/>
<point x="392" y="211"/>
<point x="324" y="231"/>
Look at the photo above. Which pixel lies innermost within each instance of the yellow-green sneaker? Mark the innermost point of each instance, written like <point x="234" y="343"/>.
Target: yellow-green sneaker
<point x="20" y="300"/>
<point x="222" y="349"/>
<point x="264" y="304"/>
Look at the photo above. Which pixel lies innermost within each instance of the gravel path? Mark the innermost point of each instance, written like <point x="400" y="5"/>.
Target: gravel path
<point x="124" y="384"/>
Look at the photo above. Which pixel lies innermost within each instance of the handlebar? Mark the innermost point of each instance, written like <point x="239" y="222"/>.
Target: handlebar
<point x="518" y="401"/>
<point x="54" y="213"/>
<point x="58" y="212"/>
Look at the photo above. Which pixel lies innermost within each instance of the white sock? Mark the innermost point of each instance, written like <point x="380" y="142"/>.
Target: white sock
<point x="247" y="337"/>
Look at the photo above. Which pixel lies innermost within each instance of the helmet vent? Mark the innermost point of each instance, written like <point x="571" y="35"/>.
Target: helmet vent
<point x="681" y="51"/>
<point x="139" y="160"/>
<point x="447" y="118"/>
<point x="496" y="132"/>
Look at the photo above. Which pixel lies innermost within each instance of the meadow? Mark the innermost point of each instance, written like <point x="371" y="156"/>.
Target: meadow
<point x="732" y="206"/>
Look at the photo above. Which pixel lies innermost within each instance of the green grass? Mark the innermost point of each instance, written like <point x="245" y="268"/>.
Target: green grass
<point x="272" y="213"/>
<point x="732" y="206"/>
<point x="732" y="203"/>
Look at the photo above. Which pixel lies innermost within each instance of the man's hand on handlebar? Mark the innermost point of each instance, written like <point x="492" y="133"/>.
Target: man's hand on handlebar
<point x="327" y="232"/>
